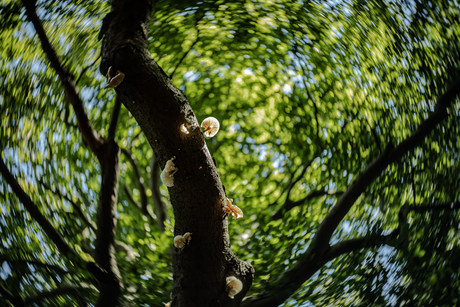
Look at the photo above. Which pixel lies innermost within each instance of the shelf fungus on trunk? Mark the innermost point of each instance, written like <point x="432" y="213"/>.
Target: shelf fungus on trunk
<point x="234" y="286"/>
<point x="211" y="126"/>
<point x="183" y="129"/>
<point x="181" y="241"/>
<point x="229" y="207"/>
<point x="167" y="176"/>
<point x="114" y="81"/>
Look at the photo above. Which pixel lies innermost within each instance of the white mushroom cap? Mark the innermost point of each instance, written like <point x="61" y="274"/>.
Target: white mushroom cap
<point x="211" y="126"/>
<point x="179" y="241"/>
<point x="234" y="286"/>
<point x="229" y="207"/>
<point x="237" y="212"/>
<point x="187" y="237"/>
<point x="167" y="176"/>
<point x="184" y="129"/>
<point x="116" y="80"/>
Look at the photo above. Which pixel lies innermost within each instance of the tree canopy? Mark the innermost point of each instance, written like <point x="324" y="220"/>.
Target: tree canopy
<point x="339" y="140"/>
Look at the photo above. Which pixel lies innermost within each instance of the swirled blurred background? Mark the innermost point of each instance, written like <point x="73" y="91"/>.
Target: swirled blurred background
<point x="308" y="95"/>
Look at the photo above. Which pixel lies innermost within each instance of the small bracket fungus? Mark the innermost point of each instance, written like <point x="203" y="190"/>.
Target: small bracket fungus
<point x="181" y="241"/>
<point x="210" y="126"/>
<point x="234" y="286"/>
<point x="184" y="129"/>
<point x="231" y="208"/>
<point x="167" y="176"/>
<point x="114" y="81"/>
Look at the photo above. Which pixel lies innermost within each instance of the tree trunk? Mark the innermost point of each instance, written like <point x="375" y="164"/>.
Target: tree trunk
<point x="109" y="282"/>
<point x="201" y="268"/>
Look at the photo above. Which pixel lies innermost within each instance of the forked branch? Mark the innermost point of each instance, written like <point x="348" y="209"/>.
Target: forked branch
<point x="89" y="134"/>
<point x="35" y="213"/>
<point x="75" y="206"/>
<point x="18" y="261"/>
<point x="61" y="290"/>
<point x="355" y="244"/>
<point x="138" y="179"/>
<point x="319" y="252"/>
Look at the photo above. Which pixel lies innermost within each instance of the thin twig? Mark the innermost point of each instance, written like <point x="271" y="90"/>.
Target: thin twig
<point x="293" y="183"/>
<point x="16" y="301"/>
<point x="318" y="252"/>
<point x="191" y="47"/>
<point x="114" y="119"/>
<point x="354" y="244"/>
<point x="35" y="213"/>
<point x="137" y="179"/>
<point x="61" y="290"/>
<point x="34" y="262"/>
<point x="74" y="205"/>
<point x="134" y="203"/>
<point x="86" y="68"/>
<point x="91" y="137"/>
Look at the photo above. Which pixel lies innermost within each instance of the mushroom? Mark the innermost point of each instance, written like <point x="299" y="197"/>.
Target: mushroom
<point x="181" y="241"/>
<point x="113" y="82"/>
<point x="234" y="286"/>
<point x="210" y="126"/>
<point x="184" y="129"/>
<point x="229" y="207"/>
<point x="167" y="176"/>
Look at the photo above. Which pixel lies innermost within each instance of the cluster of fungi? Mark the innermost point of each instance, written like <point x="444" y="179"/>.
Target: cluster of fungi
<point x="210" y="126"/>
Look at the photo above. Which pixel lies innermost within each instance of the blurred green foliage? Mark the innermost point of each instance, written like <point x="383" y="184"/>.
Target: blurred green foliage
<point x="300" y="88"/>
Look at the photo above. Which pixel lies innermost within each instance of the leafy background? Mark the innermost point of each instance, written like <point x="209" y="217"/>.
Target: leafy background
<point x="306" y="93"/>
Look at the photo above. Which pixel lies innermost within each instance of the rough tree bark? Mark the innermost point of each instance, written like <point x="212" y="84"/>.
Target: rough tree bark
<point x="110" y="283"/>
<point x="200" y="269"/>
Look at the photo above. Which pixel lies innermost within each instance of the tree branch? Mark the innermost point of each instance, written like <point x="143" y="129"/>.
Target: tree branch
<point x="131" y="199"/>
<point x="289" y="204"/>
<point x="191" y="47"/>
<point x="292" y="183"/>
<point x="74" y="205"/>
<point x="350" y="245"/>
<point x="317" y="252"/>
<point x="315" y="106"/>
<point x="114" y="119"/>
<point x="86" y="68"/>
<point x="89" y="134"/>
<point x="110" y="283"/>
<point x="16" y="301"/>
<point x="435" y="207"/>
<point x="439" y="114"/>
<point x="158" y="204"/>
<point x="197" y="195"/>
<point x="35" y="213"/>
<point x="390" y="155"/>
<point x="320" y="241"/>
<point x="183" y="57"/>
<point x="376" y="138"/>
<point x="34" y="262"/>
<point x="134" y="203"/>
<point x="138" y="179"/>
<point x="304" y="269"/>
<point x="61" y="290"/>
